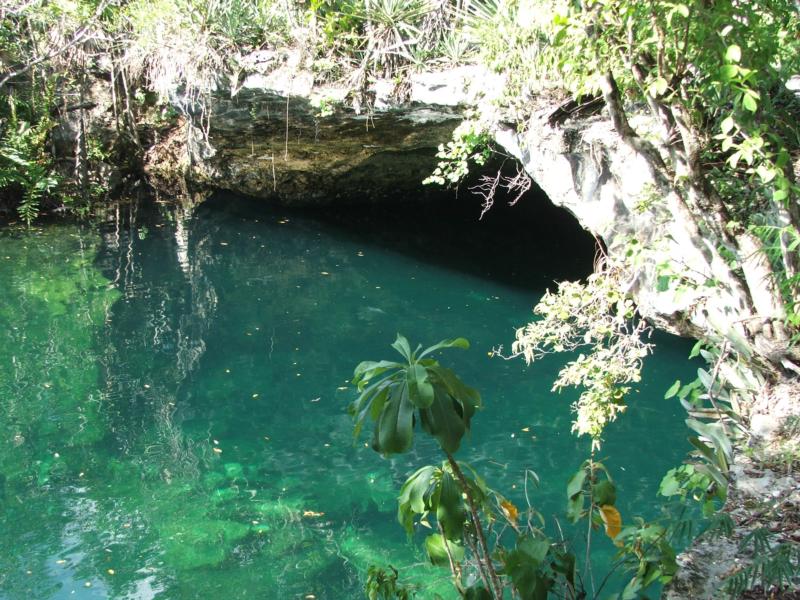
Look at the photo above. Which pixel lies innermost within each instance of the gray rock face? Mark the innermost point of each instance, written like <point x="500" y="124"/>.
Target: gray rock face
<point x="282" y="148"/>
<point x="276" y="135"/>
<point x="586" y="168"/>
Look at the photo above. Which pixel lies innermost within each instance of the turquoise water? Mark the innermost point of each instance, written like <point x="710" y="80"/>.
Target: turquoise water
<point x="173" y="391"/>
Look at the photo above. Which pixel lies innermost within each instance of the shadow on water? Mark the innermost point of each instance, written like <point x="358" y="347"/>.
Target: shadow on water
<point x="528" y="245"/>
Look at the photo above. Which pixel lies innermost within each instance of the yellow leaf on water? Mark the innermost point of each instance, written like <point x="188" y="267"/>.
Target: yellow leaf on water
<point x="612" y="521"/>
<point x="510" y="511"/>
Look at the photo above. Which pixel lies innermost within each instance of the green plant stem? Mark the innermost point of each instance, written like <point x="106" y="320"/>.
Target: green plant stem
<point x="588" y="562"/>
<point x="497" y="587"/>
<point x="481" y="567"/>
<point x="453" y="568"/>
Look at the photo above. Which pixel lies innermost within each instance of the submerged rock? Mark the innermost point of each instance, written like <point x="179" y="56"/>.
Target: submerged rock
<point x="191" y="544"/>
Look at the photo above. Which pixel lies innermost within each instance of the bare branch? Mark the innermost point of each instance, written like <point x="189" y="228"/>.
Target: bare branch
<point x="82" y="34"/>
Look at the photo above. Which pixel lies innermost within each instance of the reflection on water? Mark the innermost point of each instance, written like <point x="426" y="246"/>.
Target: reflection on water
<point x="173" y="386"/>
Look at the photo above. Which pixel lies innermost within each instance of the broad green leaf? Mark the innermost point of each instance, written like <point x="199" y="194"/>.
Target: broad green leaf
<point x="369" y="369"/>
<point x="575" y="507"/>
<point x="673" y="390"/>
<point x="727" y="144"/>
<point x="565" y="564"/>
<point x="420" y="390"/>
<point x="714" y="473"/>
<point x="442" y="421"/>
<point x="715" y="433"/>
<point x="705" y="378"/>
<point x="412" y="497"/>
<point x="631" y="591"/>
<point x="765" y="173"/>
<point x="373" y="407"/>
<point x="727" y="124"/>
<point x="702" y="448"/>
<point x="523" y="566"/>
<point x="750" y="103"/>
<point x="658" y="86"/>
<point x="402" y="346"/>
<point x="437" y="553"/>
<point x="457" y="388"/>
<point x="450" y="511"/>
<point x="670" y="484"/>
<point x="535" y="548"/>
<point x="733" y="53"/>
<point x="728" y="72"/>
<point x="462" y="343"/>
<point x="394" y="429"/>
<point x="575" y="484"/>
<point x="604" y="492"/>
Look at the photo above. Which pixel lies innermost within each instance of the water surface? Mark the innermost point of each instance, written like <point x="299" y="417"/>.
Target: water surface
<point x="173" y="388"/>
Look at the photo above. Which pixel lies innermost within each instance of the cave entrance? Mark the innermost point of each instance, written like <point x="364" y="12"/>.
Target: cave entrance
<point x="526" y="241"/>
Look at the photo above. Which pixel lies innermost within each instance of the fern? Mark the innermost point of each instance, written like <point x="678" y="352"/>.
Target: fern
<point x="772" y="566"/>
<point x="24" y="163"/>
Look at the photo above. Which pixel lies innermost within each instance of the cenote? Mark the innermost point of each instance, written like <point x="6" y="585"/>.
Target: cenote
<point x="175" y="383"/>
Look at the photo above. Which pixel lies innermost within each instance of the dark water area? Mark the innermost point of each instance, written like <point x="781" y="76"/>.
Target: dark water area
<point x="173" y="393"/>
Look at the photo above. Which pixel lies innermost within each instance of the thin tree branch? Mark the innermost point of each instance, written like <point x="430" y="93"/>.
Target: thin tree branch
<point x="80" y="35"/>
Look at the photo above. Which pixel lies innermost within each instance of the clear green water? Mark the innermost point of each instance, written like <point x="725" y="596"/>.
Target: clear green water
<point x="172" y="395"/>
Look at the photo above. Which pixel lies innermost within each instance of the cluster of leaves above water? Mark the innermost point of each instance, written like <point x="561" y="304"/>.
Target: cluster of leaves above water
<point x="471" y="144"/>
<point x="467" y="517"/>
<point x="598" y="319"/>
<point x="419" y="388"/>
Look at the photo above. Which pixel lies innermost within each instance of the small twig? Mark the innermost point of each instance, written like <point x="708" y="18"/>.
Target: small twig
<point x="80" y="35"/>
<point x="453" y="568"/>
<point x="495" y="580"/>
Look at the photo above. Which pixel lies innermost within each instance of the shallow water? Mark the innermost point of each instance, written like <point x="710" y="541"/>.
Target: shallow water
<point x="173" y="391"/>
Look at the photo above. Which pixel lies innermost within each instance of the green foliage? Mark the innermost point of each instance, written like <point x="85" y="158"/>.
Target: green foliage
<point x="189" y="45"/>
<point x="510" y="39"/>
<point x="649" y="543"/>
<point x="471" y="143"/>
<point x="24" y="163"/>
<point x="773" y="565"/>
<point x="383" y="585"/>
<point x="600" y="318"/>
<point x="525" y="566"/>
<point x="419" y="387"/>
<point x="383" y="37"/>
<point x="454" y="497"/>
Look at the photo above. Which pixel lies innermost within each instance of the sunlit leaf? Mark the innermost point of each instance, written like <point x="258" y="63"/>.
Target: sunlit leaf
<point x="437" y="551"/>
<point x="420" y="390"/>
<point x="733" y="53"/>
